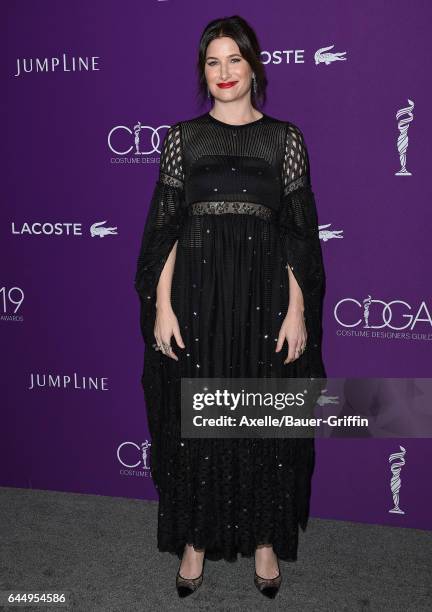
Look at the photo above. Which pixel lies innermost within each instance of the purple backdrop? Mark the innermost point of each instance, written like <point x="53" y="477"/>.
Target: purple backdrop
<point x="68" y="304"/>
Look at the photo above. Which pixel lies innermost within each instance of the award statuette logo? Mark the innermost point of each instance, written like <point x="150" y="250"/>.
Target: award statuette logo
<point x="402" y="141"/>
<point x="395" y="482"/>
<point x="366" y="304"/>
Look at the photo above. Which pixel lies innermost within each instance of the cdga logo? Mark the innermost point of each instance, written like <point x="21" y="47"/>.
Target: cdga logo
<point x="377" y="314"/>
<point x="134" y="457"/>
<point x="144" y="139"/>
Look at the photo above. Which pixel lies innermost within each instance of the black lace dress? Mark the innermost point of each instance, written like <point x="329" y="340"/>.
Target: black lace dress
<point x="238" y="200"/>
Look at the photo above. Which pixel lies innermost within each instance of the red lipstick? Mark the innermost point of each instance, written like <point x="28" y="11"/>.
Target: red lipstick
<point x="227" y="85"/>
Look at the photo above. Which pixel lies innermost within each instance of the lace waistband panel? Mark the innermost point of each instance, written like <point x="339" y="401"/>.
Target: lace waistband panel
<point x="239" y="208"/>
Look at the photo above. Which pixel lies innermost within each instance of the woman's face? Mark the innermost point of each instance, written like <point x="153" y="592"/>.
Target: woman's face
<point x="227" y="73"/>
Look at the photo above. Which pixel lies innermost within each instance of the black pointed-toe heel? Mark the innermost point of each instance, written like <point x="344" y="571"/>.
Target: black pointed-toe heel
<point x="268" y="586"/>
<point x="187" y="586"/>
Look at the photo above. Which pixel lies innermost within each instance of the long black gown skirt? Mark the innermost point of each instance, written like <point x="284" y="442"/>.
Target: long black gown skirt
<point x="230" y="292"/>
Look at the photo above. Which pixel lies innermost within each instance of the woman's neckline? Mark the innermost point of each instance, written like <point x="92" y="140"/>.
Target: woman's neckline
<point x="236" y="125"/>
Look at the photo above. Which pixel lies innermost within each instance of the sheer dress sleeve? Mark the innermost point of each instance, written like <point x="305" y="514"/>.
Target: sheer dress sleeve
<point x="299" y="232"/>
<point x="162" y="228"/>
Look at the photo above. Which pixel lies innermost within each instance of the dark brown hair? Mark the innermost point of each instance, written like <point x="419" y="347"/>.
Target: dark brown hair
<point x="239" y="30"/>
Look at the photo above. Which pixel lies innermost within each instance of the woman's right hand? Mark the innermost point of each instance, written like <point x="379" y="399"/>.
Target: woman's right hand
<point x="166" y="326"/>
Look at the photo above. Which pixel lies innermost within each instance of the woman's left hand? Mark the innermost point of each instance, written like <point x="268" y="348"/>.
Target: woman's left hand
<point x="293" y="330"/>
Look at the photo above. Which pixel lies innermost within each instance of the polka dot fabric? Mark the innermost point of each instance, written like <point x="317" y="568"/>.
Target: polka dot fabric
<point x="238" y="202"/>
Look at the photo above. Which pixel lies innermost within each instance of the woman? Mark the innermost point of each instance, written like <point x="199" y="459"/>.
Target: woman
<point x="230" y="268"/>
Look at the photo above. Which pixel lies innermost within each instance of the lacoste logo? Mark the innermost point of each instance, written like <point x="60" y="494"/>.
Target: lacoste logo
<point x="97" y="230"/>
<point x="327" y="58"/>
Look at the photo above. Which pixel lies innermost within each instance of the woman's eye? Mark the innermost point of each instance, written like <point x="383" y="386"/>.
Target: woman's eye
<point x="213" y="62"/>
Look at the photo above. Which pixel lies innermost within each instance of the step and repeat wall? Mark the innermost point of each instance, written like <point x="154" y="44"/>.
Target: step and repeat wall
<point x="90" y="89"/>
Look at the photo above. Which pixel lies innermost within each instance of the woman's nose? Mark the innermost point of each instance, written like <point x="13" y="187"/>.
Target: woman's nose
<point x="224" y="73"/>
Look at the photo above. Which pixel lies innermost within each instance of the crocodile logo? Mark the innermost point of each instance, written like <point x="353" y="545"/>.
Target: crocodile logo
<point x="326" y="234"/>
<point x="97" y="230"/>
<point x="327" y="58"/>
